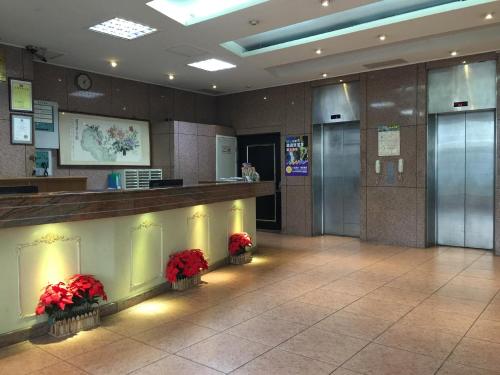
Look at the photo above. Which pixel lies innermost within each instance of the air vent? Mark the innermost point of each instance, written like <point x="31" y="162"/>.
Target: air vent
<point x="383" y="64"/>
<point x="139" y="178"/>
<point x="186" y="51"/>
<point x="211" y="92"/>
<point x="43" y="54"/>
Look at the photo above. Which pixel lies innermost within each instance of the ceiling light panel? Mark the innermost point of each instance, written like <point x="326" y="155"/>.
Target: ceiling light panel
<point x="212" y="65"/>
<point x="190" y="12"/>
<point x="120" y="28"/>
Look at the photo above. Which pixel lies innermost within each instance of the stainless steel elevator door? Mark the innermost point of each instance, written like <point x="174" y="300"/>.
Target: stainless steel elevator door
<point x="341" y="179"/>
<point x="465" y="154"/>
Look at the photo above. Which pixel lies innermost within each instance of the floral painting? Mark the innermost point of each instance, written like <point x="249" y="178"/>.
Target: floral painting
<point x="99" y="140"/>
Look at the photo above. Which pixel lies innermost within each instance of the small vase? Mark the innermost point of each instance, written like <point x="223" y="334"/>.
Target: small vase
<point x="186" y="283"/>
<point x="244" y="258"/>
<point x="80" y="322"/>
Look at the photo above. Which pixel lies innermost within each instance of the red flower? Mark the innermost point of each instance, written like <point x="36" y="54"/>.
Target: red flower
<point x="184" y="264"/>
<point x="87" y="286"/>
<point x="55" y="297"/>
<point x="238" y="242"/>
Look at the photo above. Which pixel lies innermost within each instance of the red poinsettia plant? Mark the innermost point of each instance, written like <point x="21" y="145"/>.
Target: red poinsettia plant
<point x="79" y="295"/>
<point x="239" y="243"/>
<point x="185" y="264"/>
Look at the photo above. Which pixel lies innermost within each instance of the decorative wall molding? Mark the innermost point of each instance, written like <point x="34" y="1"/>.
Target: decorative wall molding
<point x="28" y="270"/>
<point x="198" y="232"/>
<point x="235" y="213"/>
<point x="154" y="270"/>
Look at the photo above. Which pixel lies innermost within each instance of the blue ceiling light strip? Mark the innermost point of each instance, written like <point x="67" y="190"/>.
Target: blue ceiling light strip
<point x="381" y="13"/>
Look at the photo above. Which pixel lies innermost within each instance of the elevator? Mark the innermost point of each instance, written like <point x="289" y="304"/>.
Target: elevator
<point x="461" y="155"/>
<point x="336" y="160"/>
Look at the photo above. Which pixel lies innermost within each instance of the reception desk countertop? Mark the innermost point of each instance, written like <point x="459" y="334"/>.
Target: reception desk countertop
<point x="43" y="208"/>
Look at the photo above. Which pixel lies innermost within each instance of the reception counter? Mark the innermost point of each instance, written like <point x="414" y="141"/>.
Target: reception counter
<point x="124" y="238"/>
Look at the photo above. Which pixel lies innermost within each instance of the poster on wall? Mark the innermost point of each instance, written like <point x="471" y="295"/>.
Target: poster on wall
<point x="43" y="163"/>
<point x="389" y="140"/>
<point x="103" y="141"/>
<point x="20" y="95"/>
<point x="297" y="156"/>
<point x="46" y="117"/>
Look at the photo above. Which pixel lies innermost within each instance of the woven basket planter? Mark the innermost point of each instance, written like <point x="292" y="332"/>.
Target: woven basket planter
<point x="70" y="326"/>
<point x="186" y="283"/>
<point x="244" y="258"/>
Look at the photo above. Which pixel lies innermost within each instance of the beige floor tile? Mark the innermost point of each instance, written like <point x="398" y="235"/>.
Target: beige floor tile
<point x="323" y="345"/>
<point x="353" y="287"/>
<point x="368" y="276"/>
<point x="450" y="368"/>
<point x="117" y="358"/>
<point x="403" y="297"/>
<point x="378" y="309"/>
<point x="278" y="362"/>
<point x="330" y="299"/>
<point x="420" y="282"/>
<point x="492" y="312"/>
<point x="220" y="317"/>
<point x="355" y="325"/>
<point x="267" y="330"/>
<point x="224" y="352"/>
<point x="343" y="371"/>
<point x="467" y="293"/>
<point x="428" y="341"/>
<point x="452" y="323"/>
<point x="488" y="330"/>
<point x="175" y="336"/>
<point x="477" y="353"/>
<point x="468" y="308"/>
<point x="58" y="369"/>
<point x="82" y="342"/>
<point x="130" y="323"/>
<point x="256" y="302"/>
<point x="24" y="358"/>
<point x="380" y="360"/>
<point x="299" y="312"/>
<point x="175" y="365"/>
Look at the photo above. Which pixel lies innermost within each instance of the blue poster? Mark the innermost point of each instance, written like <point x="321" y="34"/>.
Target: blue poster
<point x="296" y="156"/>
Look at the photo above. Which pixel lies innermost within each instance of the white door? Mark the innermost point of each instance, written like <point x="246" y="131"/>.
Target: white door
<point x="225" y="157"/>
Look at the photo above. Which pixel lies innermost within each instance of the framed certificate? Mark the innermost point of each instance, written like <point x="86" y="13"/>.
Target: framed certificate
<point x="20" y="95"/>
<point x="21" y="129"/>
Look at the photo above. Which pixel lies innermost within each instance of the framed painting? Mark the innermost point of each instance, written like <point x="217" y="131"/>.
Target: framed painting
<point x="90" y="140"/>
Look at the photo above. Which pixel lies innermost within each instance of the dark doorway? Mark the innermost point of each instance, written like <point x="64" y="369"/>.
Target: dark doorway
<point x="264" y="153"/>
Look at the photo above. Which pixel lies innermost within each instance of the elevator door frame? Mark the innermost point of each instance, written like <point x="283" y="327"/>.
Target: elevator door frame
<point x="432" y="209"/>
<point x="318" y="179"/>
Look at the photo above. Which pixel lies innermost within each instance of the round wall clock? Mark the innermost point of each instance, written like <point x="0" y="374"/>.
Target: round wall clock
<point x="83" y="81"/>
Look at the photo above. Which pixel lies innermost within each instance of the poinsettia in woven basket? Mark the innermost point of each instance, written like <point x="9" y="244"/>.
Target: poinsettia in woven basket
<point x="183" y="268"/>
<point x="239" y="248"/>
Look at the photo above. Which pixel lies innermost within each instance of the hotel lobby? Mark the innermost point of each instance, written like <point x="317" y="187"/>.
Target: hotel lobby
<point x="250" y="187"/>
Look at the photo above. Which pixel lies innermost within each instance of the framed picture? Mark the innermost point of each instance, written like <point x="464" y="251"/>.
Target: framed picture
<point x="103" y="141"/>
<point x="20" y="95"/>
<point x="43" y="163"/>
<point x="21" y="129"/>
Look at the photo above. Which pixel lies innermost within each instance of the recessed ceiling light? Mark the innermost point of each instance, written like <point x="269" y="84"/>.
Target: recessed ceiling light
<point x="488" y="16"/>
<point x="113" y="63"/>
<point x="341" y="80"/>
<point x="189" y="12"/>
<point x="464" y="62"/>
<point x="324" y="75"/>
<point x="382" y="37"/>
<point x="325" y="3"/>
<point x="254" y="22"/>
<point x="214" y="87"/>
<point x="171" y="76"/>
<point x="319" y="51"/>
<point x="453" y="53"/>
<point x="212" y="65"/>
<point x="124" y="29"/>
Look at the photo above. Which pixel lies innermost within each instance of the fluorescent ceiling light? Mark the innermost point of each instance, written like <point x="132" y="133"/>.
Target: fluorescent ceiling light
<point x="212" y="65"/>
<point x="123" y="29"/>
<point x="189" y="12"/>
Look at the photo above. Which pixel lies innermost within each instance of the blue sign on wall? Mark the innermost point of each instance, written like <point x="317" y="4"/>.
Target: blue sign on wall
<point x="296" y="156"/>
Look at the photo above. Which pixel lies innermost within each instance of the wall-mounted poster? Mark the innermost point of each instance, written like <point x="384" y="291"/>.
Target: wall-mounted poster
<point x="103" y="141"/>
<point x="389" y="140"/>
<point x="21" y="129"/>
<point x="46" y="117"/>
<point x="43" y="163"/>
<point x="20" y="95"/>
<point x="297" y="156"/>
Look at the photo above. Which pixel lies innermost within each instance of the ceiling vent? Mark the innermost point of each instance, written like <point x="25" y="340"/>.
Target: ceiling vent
<point x="211" y="91"/>
<point x="185" y="50"/>
<point x="383" y="64"/>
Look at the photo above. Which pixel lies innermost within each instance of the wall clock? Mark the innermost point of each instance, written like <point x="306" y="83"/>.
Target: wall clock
<point x="83" y="81"/>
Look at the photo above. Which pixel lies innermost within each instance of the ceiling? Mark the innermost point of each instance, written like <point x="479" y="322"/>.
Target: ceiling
<point x="61" y="26"/>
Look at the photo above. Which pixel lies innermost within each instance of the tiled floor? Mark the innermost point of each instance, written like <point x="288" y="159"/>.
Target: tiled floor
<point x="316" y="306"/>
